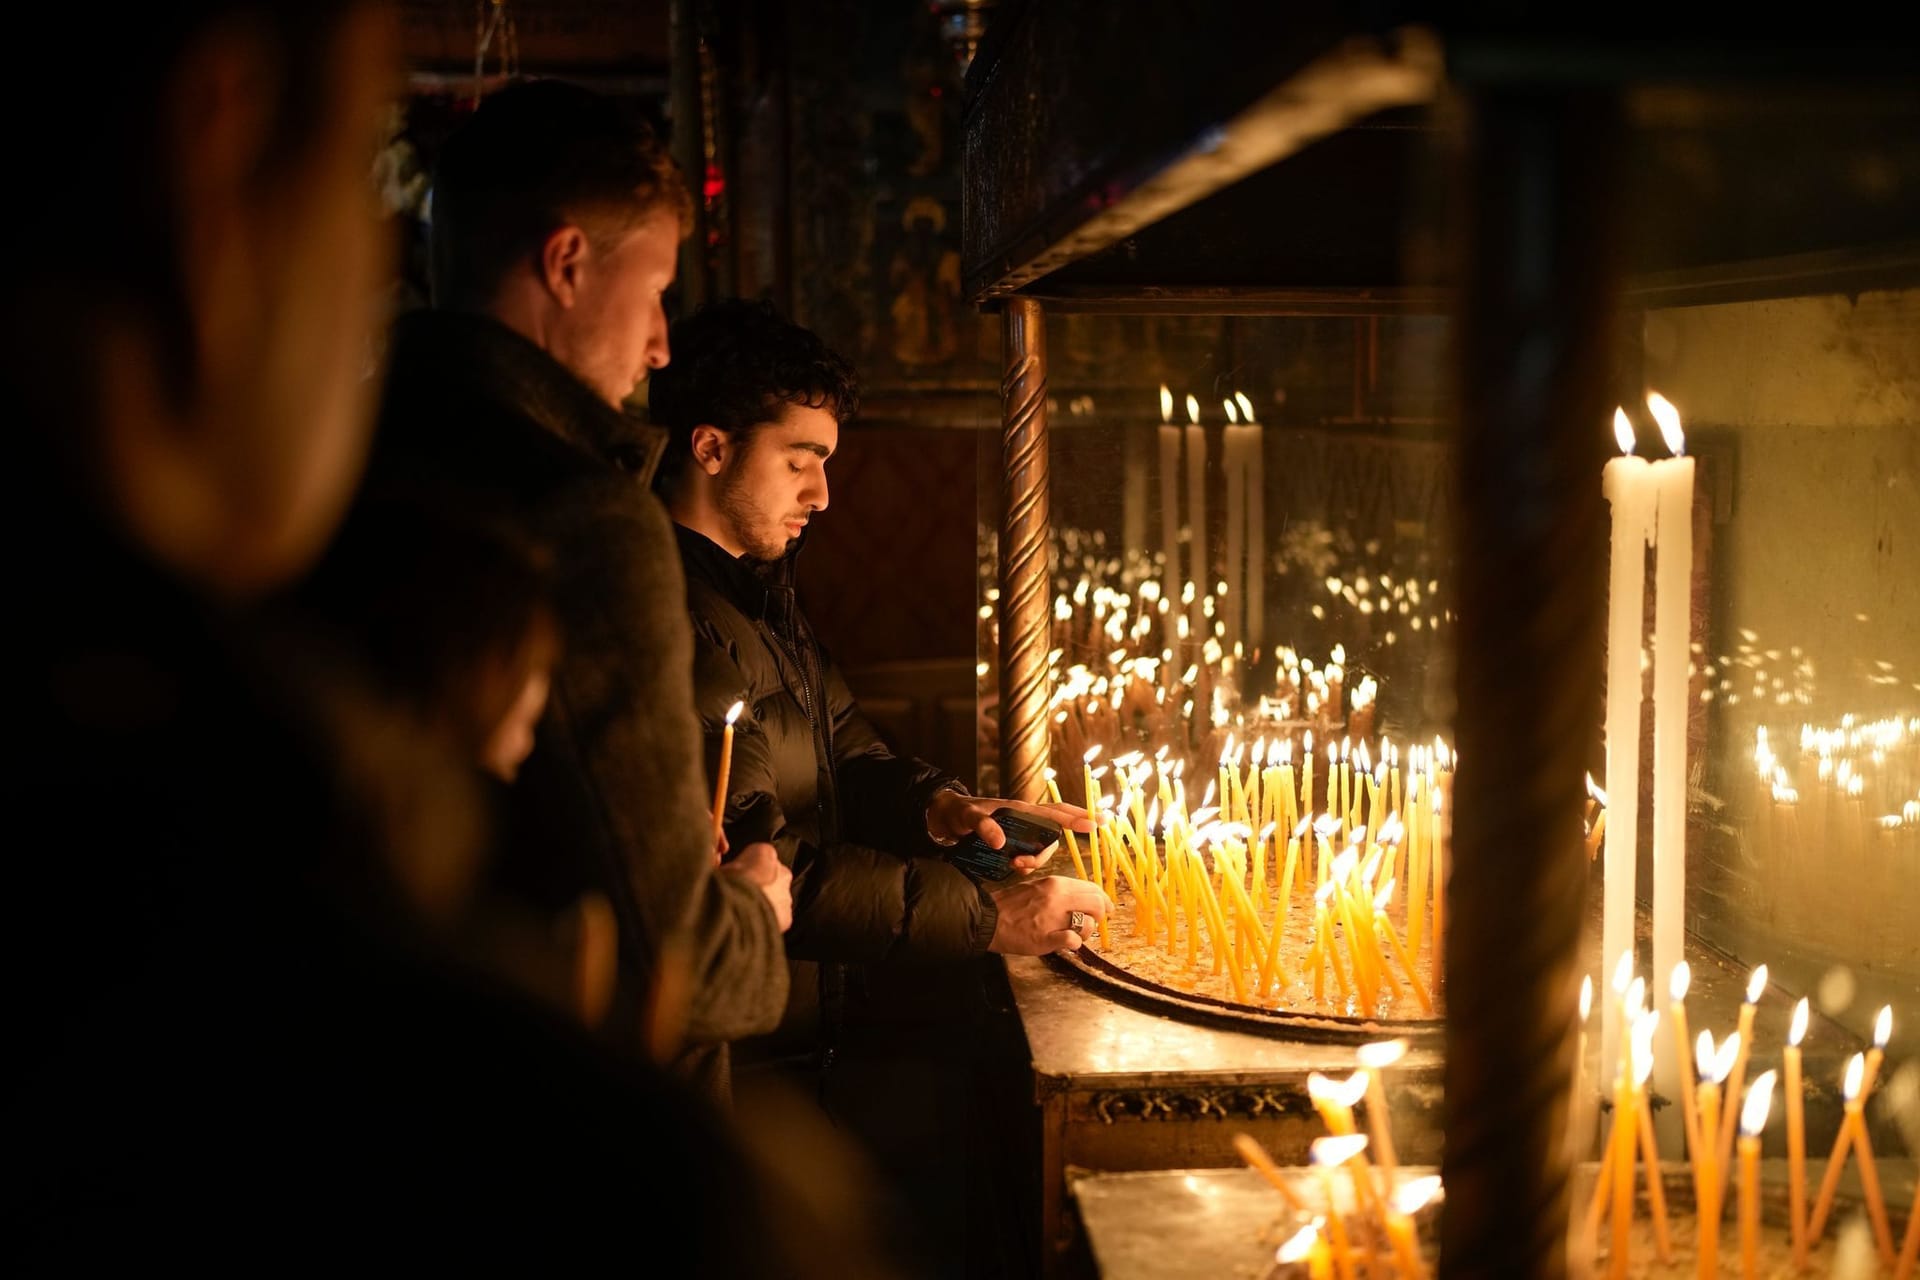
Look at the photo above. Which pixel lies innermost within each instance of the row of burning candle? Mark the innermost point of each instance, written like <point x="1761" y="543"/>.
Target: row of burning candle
<point x="1847" y="760"/>
<point x="1151" y="842"/>
<point x="1381" y="1226"/>
<point x="1709" y="1119"/>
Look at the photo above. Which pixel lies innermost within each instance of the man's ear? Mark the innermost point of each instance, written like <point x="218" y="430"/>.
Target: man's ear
<point x="563" y="257"/>
<point x="710" y="446"/>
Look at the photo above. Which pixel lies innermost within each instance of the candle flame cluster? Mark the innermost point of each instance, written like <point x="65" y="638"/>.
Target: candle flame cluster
<point x="1715" y="1111"/>
<point x="1375" y="1227"/>
<point x="1864" y="776"/>
<point x="1271" y="858"/>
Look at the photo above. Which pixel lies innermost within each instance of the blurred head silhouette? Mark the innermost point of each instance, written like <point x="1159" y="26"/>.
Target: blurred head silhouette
<point x="193" y="369"/>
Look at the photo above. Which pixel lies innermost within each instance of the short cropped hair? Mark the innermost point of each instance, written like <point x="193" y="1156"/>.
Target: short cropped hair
<point x="735" y="363"/>
<point x="537" y="156"/>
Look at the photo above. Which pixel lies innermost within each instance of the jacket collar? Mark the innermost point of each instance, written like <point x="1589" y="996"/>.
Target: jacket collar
<point x="747" y="582"/>
<point x="445" y="349"/>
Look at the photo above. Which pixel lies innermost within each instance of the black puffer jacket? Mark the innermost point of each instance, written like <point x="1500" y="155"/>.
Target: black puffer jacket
<point x="811" y="774"/>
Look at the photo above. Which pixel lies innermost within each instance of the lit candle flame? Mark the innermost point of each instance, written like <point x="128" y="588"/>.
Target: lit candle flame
<point x="1703" y="1055"/>
<point x="1093" y="753"/>
<point x="1636" y="997"/>
<point x="1593" y="789"/>
<point x="1883" y="1027"/>
<point x="1856" y="1069"/>
<point x="1305" y="825"/>
<point x="1681" y="980"/>
<point x="1166" y="404"/>
<point x="1233" y="414"/>
<point x="1381" y="1054"/>
<point x="1416" y="1194"/>
<point x="1753" y="1113"/>
<point x="1623" y="431"/>
<point x="1246" y="407"/>
<point x="1586" y="997"/>
<point x="1798" y="1031"/>
<point x="733" y="712"/>
<point x="1669" y="419"/>
<point x="1298" y="1246"/>
<point x="1193" y="411"/>
<point x="1757" y="985"/>
<point x="1384" y="898"/>
<point x="1331" y="1153"/>
<point x="1623" y="973"/>
<point x="1723" y="1060"/>
<point x="1324" y="894"/>
<point x="1642" y="1047"/>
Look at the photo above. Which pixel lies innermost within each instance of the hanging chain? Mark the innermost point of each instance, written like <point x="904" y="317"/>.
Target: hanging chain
<point x="495" y="28"/>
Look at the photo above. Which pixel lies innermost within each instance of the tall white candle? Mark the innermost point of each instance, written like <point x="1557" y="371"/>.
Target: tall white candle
<point x="1627" y="483"/>
<point x="1135" y="453"/>
<point x="1255" y="605"/>
<point x="1672" y="632"/>
<point x="1169" y="494"/>
<point x="1199" y="568"/>
<point x="1233" y="463"/>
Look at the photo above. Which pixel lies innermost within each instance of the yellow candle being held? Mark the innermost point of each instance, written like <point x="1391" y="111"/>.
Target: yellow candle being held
<point x="725" y="769"/>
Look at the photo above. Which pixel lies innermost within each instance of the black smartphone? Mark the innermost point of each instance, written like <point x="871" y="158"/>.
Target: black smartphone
<point x="1027" y="836"/>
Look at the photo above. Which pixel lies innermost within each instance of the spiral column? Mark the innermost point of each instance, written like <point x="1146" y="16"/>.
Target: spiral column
<point x="1025" y="537"/>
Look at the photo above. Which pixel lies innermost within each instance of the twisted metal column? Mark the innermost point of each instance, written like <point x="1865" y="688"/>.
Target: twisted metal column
<point x="1024" y="540"/>
<point x="1532" y="349"/>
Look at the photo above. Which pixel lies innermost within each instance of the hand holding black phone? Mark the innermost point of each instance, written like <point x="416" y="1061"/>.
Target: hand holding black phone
<point x="1027" y="836"/>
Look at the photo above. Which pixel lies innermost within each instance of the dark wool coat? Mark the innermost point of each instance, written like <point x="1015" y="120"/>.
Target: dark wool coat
<point x="811" y="773"/>
<point x="614" y="795"/>
<point x="228" y="1031"/>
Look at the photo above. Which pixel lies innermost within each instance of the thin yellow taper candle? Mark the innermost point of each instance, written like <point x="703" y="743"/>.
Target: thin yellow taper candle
<point x="1796" y="1138"/>
<point x="1753" y="1118"/>
<point x="1677" y="986"/>
<point x="1830" y="1182"/>
<point x="1256" y="1156"/>
<point x="726" y="769"/>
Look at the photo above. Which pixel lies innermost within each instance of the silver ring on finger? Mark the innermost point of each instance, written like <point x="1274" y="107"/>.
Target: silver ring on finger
<point x="1078" y="922"/>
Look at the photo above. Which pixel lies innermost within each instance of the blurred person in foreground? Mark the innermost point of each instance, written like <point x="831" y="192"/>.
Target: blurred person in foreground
<point x="234" y="1036"/>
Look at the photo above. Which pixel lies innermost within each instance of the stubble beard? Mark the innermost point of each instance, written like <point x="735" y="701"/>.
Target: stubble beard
<point x="750" y="524"/>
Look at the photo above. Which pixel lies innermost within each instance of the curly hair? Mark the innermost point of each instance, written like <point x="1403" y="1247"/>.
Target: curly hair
<point x="536" y="156"/>
<point x="735" y="363"/>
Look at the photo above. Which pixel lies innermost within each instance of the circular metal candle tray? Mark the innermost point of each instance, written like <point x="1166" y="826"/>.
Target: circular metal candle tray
<point x="1110" y="980"/>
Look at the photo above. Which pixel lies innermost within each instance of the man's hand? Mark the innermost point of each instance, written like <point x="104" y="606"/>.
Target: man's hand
<point x="760" y="864"/>
<point x="1037" y="915"/>
<point x="952" y="816"/>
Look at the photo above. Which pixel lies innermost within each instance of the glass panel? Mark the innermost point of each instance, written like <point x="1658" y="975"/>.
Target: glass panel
<point x="1253" y="526"/>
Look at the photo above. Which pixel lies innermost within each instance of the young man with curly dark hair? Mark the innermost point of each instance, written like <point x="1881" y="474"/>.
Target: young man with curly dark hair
<point x="753" y="405"/>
